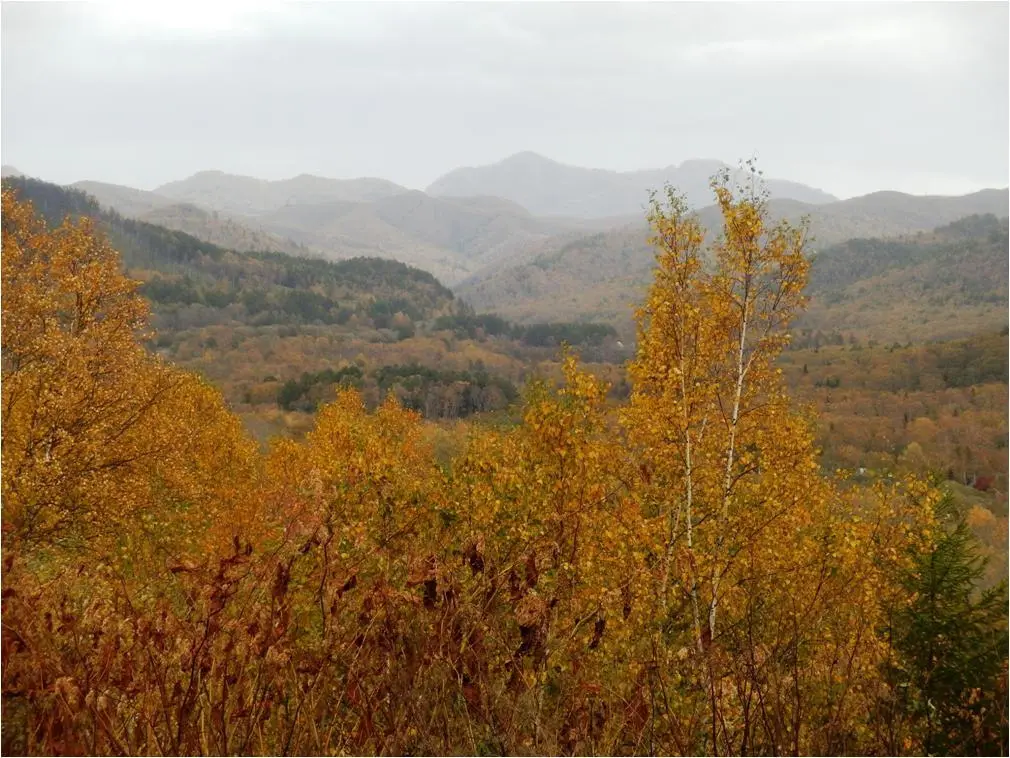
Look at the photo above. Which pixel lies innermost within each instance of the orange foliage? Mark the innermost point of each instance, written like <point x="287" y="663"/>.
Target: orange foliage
<point x="679" y="580"/>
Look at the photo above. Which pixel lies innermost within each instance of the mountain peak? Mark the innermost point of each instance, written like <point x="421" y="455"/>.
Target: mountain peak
<point x="526" y="156"/>
<point x="210" y="172"/>
<point x="702" y="164"/>
<point x="246" y="195"/>
<point x="548" y="188"/>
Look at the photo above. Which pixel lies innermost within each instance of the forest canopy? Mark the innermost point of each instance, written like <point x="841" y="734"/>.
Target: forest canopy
<point x="674" y="575"/>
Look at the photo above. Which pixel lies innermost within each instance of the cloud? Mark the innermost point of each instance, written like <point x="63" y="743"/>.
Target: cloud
<point x="184" y="18"/>
<point x="850" y="97"/>
<point x="852" y="46"/>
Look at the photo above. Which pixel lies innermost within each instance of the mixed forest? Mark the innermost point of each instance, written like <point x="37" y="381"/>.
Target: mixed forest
<point x="259" y="503"/>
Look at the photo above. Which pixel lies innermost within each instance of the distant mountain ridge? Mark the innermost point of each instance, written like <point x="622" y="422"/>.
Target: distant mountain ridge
<point x="204" y="224"/>
<point x="181" y="271"/>
<point x="128" y="201"/>
<point x="880" y="214"/>
<point x="447" y="237"/>
<point x="518" y="254"/>
<point x="339" y="219"/>
<point x="546" y="187"/>
<point x="246" y="195"/>
<point x="451" y="237"/>
<point x="603" y="276"/>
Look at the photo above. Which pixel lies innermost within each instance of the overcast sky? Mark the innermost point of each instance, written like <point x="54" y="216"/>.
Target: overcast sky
<point x="848" y="97"/>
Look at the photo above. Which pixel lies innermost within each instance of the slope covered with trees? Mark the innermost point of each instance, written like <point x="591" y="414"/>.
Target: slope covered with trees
<point x="261" y="324"/>
<point x="671" y="576"/>
<point x="204" y="224"/>
<point x="948" y="283"/>
<point x="181" y="270"/>
<point x="605" y="274"/>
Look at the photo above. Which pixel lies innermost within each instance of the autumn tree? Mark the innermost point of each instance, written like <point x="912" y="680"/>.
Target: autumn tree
<point x="102" y="443"/>
<point x="118" y="470"/>
<point x="553" y="566"/>
<point x="751" y="546"/>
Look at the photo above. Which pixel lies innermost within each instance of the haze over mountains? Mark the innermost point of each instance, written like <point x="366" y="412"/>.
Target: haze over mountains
<point x="546" y="187"/>
<point x="246" y="195"/>
<point x="203" y="223"/>
<point x="602" y="276"/>
<point x="524" y="236"/>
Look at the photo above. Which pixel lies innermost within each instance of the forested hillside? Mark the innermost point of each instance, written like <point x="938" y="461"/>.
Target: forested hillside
<point x="948" y="283"/>
<point x="671" y="572"/>
<point x="275" y="331"/>
<point x="450" y="237"/>
<point x="604" y="275"/>
<point x="262" y="287"/>
<point x="199" y="222"/>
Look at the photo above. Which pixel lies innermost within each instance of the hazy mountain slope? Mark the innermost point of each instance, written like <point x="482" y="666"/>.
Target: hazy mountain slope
<point x="7" y="171"/>
<point x="128" y="201"/>
<point x="886" y="214"/>
<point x="220" y="230"/>
<point x="596" y="276"/>
<point x="185" y="217"/>
<point x="246" y="195"/>
<point x="546" y="187"/>
<point x="340" y="230"/>
<point x="451" y="237"/>
<point x="472" y="226"/>
<point x="201" y="283"/>
<point x="601" y="276"/>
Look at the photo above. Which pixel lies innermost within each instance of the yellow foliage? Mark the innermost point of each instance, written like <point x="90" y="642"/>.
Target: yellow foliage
<point x="102" y="443"/>
<point x="674" y="578"/>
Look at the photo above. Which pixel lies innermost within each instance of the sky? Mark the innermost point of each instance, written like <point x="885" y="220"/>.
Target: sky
<point x="848" y="97"/>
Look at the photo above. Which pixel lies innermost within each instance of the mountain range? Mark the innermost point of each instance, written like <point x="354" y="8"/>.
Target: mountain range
<point x="888" y="267"/>
<point x="202" y="222"/>
<point x="603" y="275"/>
<point x="268" y="327"/>
<point x="527" y="236"/>
<point x="547" y="188"/>
<point x="246" y="196"/>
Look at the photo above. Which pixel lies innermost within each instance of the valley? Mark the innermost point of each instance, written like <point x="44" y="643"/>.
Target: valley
<point x="271" y="289"/>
